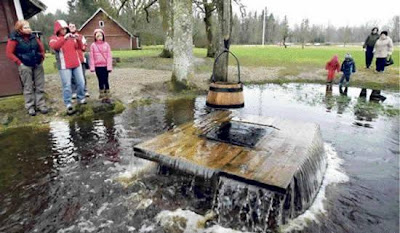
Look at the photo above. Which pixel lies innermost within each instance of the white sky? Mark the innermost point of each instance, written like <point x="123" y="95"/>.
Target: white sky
<point x="336" y="12"/>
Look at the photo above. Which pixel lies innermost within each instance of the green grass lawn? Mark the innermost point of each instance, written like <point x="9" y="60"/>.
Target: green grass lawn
<point x="253" y="56"/>
<point x="310" y="56"/>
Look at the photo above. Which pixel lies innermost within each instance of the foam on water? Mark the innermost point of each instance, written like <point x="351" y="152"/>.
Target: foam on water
<point x="334" y="175"/>
<point x="194" y="223"/>
<point x="134" y="170"/>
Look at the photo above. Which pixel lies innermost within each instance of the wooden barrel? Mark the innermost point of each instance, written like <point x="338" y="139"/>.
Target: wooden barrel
<point x="225" y="95"/>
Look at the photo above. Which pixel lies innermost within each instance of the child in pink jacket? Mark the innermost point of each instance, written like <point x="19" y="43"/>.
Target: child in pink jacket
<point x="101" y="63"/>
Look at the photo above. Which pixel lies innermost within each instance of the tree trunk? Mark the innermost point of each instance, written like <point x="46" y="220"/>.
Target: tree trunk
<point x="208" y="8"/>
<point x="224" y="9"/>
<point x="167" y="23"/>
<point x="183" y="43"/>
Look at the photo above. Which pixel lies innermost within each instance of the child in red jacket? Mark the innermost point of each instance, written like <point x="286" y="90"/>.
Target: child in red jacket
<point x="332" y="66"/>
<point x="101" y="63"/>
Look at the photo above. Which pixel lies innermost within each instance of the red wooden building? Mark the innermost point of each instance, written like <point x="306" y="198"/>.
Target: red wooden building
<point x="116" y="35"/>
<point x="10" y="12"/>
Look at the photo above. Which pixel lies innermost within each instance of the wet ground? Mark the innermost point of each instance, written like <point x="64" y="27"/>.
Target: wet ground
<point x="67" y="178"/>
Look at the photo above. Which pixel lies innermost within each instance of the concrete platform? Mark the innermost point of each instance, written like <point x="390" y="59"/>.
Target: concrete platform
<point x="263" y="151"/>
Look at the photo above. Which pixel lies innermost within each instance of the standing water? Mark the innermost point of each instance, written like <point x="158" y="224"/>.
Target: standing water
<point x="81" y="176"/>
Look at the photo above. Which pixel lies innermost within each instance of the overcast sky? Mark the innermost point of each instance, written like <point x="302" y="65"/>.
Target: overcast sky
<point x="337" y="12"/>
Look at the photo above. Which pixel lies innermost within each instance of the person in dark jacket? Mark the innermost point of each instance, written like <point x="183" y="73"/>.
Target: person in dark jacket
<point x="348" y="67"/>
<point x="27" y="51"/>
<point x="369" y="46"/>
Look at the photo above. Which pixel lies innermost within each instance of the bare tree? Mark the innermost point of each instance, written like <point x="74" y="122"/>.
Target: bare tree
<point x="395" y="34"/>
<point x="224" y="9"/>
<point x="285" y="31"/>
<point x="345" y="35"/>
<point x="207" y="7"/>
<point x="304" y="30"/>
<point x="135" y="9"/>
<point x="167" y="22"/>
<point x="182" y="70"/>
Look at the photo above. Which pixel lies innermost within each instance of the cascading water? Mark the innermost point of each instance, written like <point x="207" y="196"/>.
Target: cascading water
<point x="251" y="208"/>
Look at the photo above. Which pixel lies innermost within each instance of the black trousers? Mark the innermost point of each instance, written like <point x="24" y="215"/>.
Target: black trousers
<point x="380" y="64"/>
<point x="369" y="55"/>
<point x="102" y="76"/>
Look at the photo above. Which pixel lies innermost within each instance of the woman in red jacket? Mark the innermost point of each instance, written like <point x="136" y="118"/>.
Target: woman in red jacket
<point x="27" y="52"/>
<point x="65" y="46"/>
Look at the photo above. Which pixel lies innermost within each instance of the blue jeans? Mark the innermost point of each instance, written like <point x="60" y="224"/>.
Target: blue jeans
<point x="73" y="85"/>
<point x="66" y="76"/>
<point x="344" y="77"/>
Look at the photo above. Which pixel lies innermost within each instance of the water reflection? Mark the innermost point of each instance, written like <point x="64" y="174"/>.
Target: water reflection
<point x="365" y="111"/>
<point x="329" y="101"/>
<point x="62" y="178"/>
<point x="376" y="96"/>
<point x="25" y="175"/>
<point x="179" y="111"/>
<point x="83" y="140"/>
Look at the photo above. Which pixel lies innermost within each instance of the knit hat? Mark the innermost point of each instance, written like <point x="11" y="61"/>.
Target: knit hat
<point x="347" y="56"/>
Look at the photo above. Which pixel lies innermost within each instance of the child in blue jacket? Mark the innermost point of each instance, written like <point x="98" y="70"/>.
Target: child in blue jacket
<point x="348" y="67"/>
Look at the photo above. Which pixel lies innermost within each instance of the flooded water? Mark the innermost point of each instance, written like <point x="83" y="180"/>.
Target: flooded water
<point x="82" y="176"/>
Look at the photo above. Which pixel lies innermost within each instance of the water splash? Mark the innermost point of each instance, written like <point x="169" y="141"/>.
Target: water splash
<point x="187" y="221"/>
<point x="334" y="175"/>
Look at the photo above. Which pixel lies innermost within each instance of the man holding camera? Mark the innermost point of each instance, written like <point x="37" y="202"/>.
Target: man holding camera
<point x="69" y="66"/>
<point x="82" y="58"/>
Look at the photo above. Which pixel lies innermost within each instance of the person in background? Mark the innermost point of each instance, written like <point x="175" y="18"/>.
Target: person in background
<point x="332" y="66"/>
<point x="101" y="63"/>
<point x="80" y="51"/>
<point x="348" y="67"/>
<point x="65" y="45"/>
<point x="369" y="46"/>
<point x="27" y="51"/>
<point x="383" y="49"/>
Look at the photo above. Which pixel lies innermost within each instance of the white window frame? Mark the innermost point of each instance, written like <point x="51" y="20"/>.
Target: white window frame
<point x="101" y="23"/>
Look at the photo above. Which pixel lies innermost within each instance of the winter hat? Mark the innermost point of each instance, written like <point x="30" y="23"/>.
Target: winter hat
<point x="101" y="31"/>
<point x="59" y="24"/>
<point x="347" y="56"/>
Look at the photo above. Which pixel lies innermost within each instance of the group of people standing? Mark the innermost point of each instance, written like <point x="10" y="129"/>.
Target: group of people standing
<point x="27" y="51"/>
<point x="380" y="46"/>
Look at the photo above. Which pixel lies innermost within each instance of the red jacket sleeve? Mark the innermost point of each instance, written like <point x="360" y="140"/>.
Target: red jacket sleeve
<point x="56" y="42"/>
<point x="41" y="48"/>
<point x="84" y="45"/>
<point x="10" y="49"/>
<point x="79" y="43"/>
